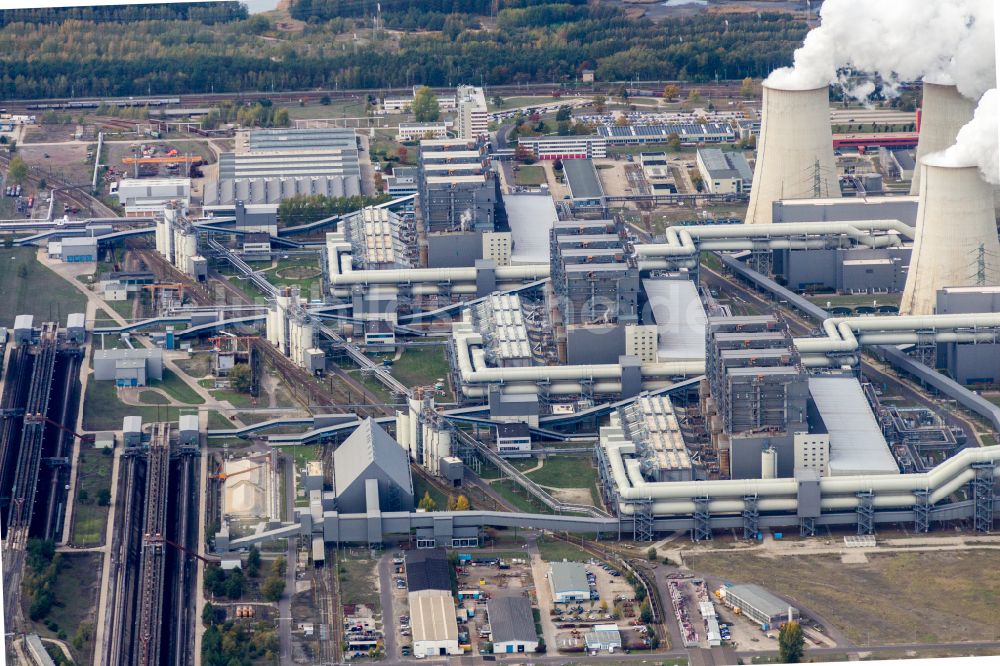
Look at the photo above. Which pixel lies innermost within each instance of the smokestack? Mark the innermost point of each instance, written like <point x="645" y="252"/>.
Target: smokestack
<point x="943" y="112"/>
<point x="956" y="241"/>
<point x="794" y="150"/>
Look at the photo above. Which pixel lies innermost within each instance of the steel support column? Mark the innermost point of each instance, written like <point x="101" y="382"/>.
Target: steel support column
<point x="702" y="529"/>
<point x="750" y="517"/>
<point x="982" y="493"/>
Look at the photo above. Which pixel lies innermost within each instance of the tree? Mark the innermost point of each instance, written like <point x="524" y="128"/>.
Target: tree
<point x="651" y="554"/>
<point x="564" y="113"/>
<point x="694" y="96"/>
<point x="671" y="91"/>
<point x="17" y="172"/>
<point x="258" y="25"/>
<point x="83" y="495"/>
<point x="462" y="503"/>
<point x="600" y="102"/>
<point x="674" y="142"/>
<point x="452" y="503"/>
<point x="498" y="101"/>
<point x="239" y="377"/>
<point x="646" y="612"/>
<point x="42" y="184"/>
<point x="12" y="146"/>
<point x="104" y="497"/>
<point x="557" y="165"/>
<point x="622" y="121"/>
<point x="401" y="153"/>
<point x="279" y="567"/>
<point x="272" y="588"/>
<point x="253" y="562"/>
<point x="427" y="502"/>
<point x="234" y="584"/>
<point x="791" y="643"/>
<point x="747" y="88"/>
<point x="425" y="105"/>
<point x="208" y="614"/>
<point x="325" y="100"/>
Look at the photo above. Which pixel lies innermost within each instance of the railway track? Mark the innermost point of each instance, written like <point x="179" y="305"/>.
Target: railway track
<point x="153" y="560"/>
<point x="68" y="192"/>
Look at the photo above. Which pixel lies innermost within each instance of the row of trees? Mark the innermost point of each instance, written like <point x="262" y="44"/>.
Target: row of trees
<point x="204" y="12"/>
<point x="236" y="644"/>
<point x="460" y="503"/>
<point x="304" y="209"/>
<point x="83" y="58"/>
<point x="259" y="114"/>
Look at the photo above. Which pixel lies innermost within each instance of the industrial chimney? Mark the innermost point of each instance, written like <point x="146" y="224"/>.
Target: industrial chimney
<point x="956" y="240"/>
<point x="794" y="151"/>
<point x="942" y="113"/>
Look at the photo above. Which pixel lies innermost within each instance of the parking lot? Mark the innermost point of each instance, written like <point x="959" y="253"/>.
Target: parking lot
<point x="612" y="601"/>
<point x="483" y="577"/>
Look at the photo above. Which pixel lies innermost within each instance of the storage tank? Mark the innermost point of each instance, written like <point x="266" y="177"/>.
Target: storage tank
<point x="403" y="429"/>
<point x="956" y="239"/>
<point x="190" y="251"/>
<point x="305" y="341"/>
<point x="769" y="463"/>
<point x="943" y="112"/>
<point x="794" y="151"/>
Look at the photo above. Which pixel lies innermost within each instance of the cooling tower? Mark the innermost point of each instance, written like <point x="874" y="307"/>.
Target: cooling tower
<point x="794" y="151"/>
<point x="942" y="113"/>
<point x="956" y="242"/>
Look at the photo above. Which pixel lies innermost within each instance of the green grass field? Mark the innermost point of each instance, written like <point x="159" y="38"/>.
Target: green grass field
<point x="153" y="398"/>
<point x="565" y="472"/>
<point x="102" y="410"/>
<point x="554" y="550"/>
<point x="27" y="287"/>
<point x="177" y="388"/>
<point x="90" y="519"/>
<point x="75" y="591"/>
<point x="302" y="273"/>
<point x="528" y="176"/>
<point x="421" y="486"/>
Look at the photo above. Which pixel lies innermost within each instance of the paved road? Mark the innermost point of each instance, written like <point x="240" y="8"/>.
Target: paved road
<point x="285" y="603"/>
<point x="385" y="587"/>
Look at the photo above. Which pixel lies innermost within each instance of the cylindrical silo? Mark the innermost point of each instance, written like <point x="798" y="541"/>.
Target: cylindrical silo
<point x="794" y="151"/>
<point x="305" y="342"/>
<point x="403" y="430"/>
<point x="956" y="240"/>
<point x="769" y="463"/>
<point x="443" y="449"/>
<point x="190" y="250"/>
<point x="943" y="112"/>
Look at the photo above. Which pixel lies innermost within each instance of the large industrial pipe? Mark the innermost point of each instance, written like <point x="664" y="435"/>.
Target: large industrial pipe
<point x="903" y="329"/>
<point x="411" y="275"/>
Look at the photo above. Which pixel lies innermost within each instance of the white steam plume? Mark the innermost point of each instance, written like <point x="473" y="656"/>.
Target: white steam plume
<point x="944" y="41"/>
<point x="977" y="143"/>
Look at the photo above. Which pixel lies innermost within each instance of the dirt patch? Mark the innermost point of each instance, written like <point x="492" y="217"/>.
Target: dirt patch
<point x="922" y="597"/>
<point x="68" y="161"/>
<point x="40" y="133"/>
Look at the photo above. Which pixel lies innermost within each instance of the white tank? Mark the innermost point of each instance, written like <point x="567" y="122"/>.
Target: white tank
<point x="956" y="241"/>
<point x="190" y="250"/>
<point x="794" y="151"/>
<point x="443" y="449"/>
<point x="769" y="463"/>
<point x="403" y="430"/>
<point x="413" y="423"/>
<point x="943" y="112"/>
<point x="305" y="342"/>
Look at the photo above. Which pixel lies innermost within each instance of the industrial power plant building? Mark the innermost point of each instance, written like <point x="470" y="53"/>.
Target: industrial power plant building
<point x="759" y="605"/>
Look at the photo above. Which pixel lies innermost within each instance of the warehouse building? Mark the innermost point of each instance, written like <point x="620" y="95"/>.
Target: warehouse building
<point x="261" y="196"/>
<point x="584" y="184"/>
<point x="146" y="197"/>
<point x="76" y="249"/>
<point x="845" y="270"/>
<point x="759" y="605"/>
<point x="128" y="367"/>
<point x="568" y="581"/>
<point x="289" y="153"/>
<point x="369" y="453"/>
<point x="604" y="638"/>
<point x="433" y="619"/>
<point x="850" y="209"/>
<point x="512" y="625"/>
<point x="724" y="172"/>
<point x="428" y="569"/>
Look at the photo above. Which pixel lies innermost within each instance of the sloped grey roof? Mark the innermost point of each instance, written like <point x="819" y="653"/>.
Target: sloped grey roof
<point x="368" y="444"/>
<point x="511" y="619"/>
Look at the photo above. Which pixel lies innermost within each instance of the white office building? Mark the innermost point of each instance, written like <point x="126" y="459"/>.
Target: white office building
<point x="473" y="116"/>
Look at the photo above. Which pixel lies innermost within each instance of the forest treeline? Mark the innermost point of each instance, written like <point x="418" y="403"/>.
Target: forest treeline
<point x="536" y="42"/>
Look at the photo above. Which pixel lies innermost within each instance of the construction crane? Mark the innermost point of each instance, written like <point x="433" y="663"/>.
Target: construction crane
<point x="222" y="476"/>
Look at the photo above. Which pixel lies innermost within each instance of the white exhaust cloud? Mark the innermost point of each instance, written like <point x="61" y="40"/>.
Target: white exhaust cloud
<point x="944" y="41"/>
<point x="977" y="143"/>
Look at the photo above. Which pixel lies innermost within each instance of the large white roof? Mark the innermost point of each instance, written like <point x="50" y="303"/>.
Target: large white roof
<point x="680" y="318"/>
<point x="856" y="442"/>
<point x="531" y="217"/>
